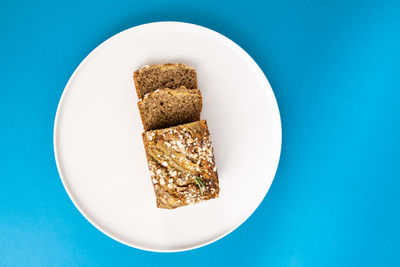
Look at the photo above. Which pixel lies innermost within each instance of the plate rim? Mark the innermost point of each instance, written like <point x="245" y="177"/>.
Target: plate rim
<point x="234" y="45"/>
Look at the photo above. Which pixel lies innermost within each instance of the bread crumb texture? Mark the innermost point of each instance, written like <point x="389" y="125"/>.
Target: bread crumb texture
<point x="169" y="107"/>
<point x="152" y="77"/>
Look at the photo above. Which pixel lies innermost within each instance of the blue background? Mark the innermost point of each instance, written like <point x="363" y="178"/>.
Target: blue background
<point x="334" y="67"/>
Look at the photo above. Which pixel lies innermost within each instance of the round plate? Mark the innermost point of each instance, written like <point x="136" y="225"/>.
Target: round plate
<point x="99" y="150"/>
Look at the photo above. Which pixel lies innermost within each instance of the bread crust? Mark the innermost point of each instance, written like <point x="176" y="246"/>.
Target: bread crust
<point x="181" y="164"/>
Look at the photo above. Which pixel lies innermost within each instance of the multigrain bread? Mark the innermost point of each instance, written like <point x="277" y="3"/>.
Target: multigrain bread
<point x="150" y="78"/>
<point x="181" y="164"/>
<point x="167" y="107"/>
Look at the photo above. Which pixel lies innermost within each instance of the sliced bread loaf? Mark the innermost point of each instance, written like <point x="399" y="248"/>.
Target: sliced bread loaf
<point x="170" y="107"/>
<point x="150" y="78"/>
<point x="181" y="164"/>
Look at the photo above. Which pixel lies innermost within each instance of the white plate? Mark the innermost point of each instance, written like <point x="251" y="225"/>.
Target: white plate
<point x="98" y="145"/>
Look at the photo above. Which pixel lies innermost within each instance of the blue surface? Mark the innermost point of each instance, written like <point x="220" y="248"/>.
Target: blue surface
<point x="334" y="67"/>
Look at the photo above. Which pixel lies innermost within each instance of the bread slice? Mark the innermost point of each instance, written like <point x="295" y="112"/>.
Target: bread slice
<point x="181" y="164"/>
<point x="167" y="107"/>
<point x="150" y="78"/>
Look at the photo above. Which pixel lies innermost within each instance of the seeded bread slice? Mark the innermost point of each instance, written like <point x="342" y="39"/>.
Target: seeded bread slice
<point x="166" y="107"/>
<point x="150" y="78"/>
<point x="181" y="164"/>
